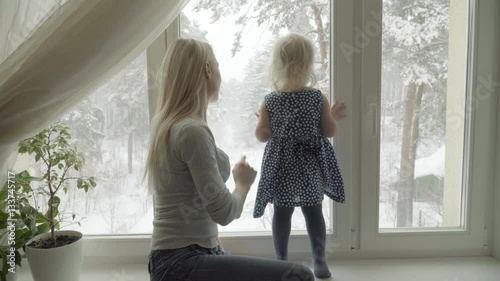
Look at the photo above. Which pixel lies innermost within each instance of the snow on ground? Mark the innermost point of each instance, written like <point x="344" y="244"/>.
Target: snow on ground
<point x="424" y="215"/>
<point x="91" y="225"/>
<point x="431" y="165"/>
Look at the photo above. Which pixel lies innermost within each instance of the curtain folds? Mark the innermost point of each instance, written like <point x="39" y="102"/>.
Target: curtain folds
<point x="73" y="48"/>
<point x="19" y="19"/>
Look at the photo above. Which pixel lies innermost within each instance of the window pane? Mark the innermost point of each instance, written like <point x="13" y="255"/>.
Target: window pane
<point x="111" y="129"/>
<point x="242" y="35"/>
<point x="424" y="63"/>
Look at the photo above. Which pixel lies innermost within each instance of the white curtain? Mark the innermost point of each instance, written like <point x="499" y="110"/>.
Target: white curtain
<point x="19" y="18"/>
<point x="55" y="52"/>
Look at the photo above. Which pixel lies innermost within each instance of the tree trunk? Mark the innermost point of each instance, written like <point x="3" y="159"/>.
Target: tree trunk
<point x="323" y="44"/>
<point x="87" y="203"/>
<point x="407" y="166"/>
<point x="96" y="198"/>
<point x="130" y="151"/>
<point x="413" y="151"/>
<point x="130" y="142"/>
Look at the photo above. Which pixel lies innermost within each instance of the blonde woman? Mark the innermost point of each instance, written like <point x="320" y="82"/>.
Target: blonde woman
<point x="299" y="162"/>
<point x="187" y="173"/>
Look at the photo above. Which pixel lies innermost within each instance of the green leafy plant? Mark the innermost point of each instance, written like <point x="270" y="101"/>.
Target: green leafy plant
<point x="20" y="215"/>
<point x="19" y="211"/>
<point x="51" y="147"/>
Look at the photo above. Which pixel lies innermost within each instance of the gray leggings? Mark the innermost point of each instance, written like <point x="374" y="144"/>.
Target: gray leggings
<point x="195" y="263"/>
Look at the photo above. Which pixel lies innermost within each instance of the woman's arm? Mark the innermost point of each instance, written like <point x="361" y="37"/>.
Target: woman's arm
<point x="263" y="129"/>
<point x="196" y="147"/>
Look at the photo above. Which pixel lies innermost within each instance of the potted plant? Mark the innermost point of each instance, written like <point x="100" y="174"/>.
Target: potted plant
<point x="19" y="222"/>
<point x="55" y="255"/>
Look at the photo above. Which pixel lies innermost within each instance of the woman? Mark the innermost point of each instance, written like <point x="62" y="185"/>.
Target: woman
<point x="187" y="173"/>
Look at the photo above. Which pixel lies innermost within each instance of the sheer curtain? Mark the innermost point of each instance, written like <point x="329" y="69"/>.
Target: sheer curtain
<point x="19" y="18"/>
<point x="54" y="53"/>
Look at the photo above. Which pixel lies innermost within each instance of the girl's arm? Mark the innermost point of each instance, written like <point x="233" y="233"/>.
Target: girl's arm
<point x="328" y="123"/>
<point x="263" y="129"/>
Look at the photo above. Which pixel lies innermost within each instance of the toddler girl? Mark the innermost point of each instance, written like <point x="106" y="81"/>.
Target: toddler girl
<point x="299" y="163"/>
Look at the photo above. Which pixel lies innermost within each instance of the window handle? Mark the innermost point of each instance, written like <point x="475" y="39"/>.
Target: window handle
<point x="372" y="106"/>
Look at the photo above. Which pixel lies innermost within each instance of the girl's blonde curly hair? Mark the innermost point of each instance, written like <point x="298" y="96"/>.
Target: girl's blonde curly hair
<point x="292" y="62"/>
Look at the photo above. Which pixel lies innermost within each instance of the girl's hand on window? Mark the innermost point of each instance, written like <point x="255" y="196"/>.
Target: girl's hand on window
<point x="338" y="110"/>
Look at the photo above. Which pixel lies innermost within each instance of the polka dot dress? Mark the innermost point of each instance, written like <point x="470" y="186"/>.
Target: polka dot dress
<point x="299" y="164"/>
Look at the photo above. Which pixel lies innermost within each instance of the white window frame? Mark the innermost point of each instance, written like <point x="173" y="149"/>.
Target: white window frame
<point x="349" y="238"/>
<point x="469" y="240"/>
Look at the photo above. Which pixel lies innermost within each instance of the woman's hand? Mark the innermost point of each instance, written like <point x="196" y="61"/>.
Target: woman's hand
<point x="243" y="174"/>
<point x="338" y="110"/>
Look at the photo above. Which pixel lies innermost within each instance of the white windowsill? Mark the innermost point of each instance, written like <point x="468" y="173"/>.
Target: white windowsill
<point x="433" y="269"/>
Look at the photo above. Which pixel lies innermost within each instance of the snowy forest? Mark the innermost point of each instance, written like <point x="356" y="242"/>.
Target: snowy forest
<point x="111" y="126"/>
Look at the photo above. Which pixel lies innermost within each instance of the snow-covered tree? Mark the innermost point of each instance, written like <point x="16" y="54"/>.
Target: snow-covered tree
<point x="308" y="17"/>
<point x="192" y="29"/>
<point x="86" y="124"/>
<point x="255" y="86"/>
<point x="127" y="98"/>
<point x="415" y="44"/>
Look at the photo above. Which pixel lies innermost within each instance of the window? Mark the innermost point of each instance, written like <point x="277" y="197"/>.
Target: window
<point x="423" y="113"/>
<point x="243" y="51"/>
<point x="382" y="53"/>
<point x="420" y="191"/>
<point x="111" y="129"/>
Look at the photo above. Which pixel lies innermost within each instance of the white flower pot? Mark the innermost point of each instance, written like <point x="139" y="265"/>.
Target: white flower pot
<point x="56" y="264"/>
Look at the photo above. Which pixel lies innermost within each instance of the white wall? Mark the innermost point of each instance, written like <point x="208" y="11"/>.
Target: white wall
<point x="496" y="223"/>
<point x="484" y="112"/>
<point x="496" y="200"/>
<point x="496" y="204"/>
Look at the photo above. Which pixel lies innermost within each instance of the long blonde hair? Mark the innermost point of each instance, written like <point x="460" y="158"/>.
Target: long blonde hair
<point x="292" y="62"/>
<point x="182" y="79"/>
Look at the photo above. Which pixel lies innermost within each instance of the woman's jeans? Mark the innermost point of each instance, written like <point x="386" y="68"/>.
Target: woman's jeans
<point x="195" y="263"/>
